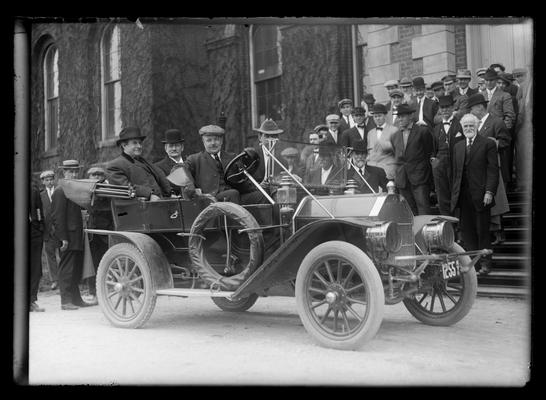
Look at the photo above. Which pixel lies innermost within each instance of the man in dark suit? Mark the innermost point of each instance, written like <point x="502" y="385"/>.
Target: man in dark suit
<point x="475" y="180"/>
<point x="412" y="145"/>
<point x="463" y="92"/>
<point x="268" y="135"/>
<point x="346" y="120"/>
<point x="68" y="228"/>
<point x="50" y="244"/>
<point x="500" y="103"/>
<point x="208" y="166"/>
<point x="311" y="162"/>
<point x="425" y="108"/>
<point x="36" y="227"/>
<point x="444" y="136"/>
<point x="174" y="146"/>
<point x="130" y="168"/>
<point x="359" y="171"/>
<point x="329" y="173"/>
<point x="359" y="131"/>
<point x="491" y="126"/>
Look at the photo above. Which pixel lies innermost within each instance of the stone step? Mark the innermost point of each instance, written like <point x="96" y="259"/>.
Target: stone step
<point x="517" y="233"/>
<point x="516" y="247"/>
<point x="511" y="278"/>
<point x="516" y="220"/>
<point x="514" y="261"/>
<point x="504" y="291"/>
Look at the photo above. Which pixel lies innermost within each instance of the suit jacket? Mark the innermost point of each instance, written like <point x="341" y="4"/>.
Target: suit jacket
<point x="259" y="174"/>
<point x="352" y="135"/>
<point x="67" y="220"/>
<point x="166" y="165"/>
<point x="343" y="125"/>
<point x="501" y="106"/>
<point x="380" y="151"/>
<point x="36" y="215"/>
<point x="430" y="108"/>
<point x="413" y="162"/>
<point x="46" y="206"/>
<point x="145" y="177"/>
<point x="202" y="168"/>
<point x="482" y="171"/>
<point x="375" y="176"/>
<point x="496" y="128"/>
<point x="310" y="165"/>
<point x="461" y="101"/>
<point x="330" y="138"/>
<point x="334" y="178"/>
<point x="440" y="139"/>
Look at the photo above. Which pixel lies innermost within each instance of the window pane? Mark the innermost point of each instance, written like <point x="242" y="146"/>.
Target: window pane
<point x="112" y="86"/>
<point x="53" y="122"/>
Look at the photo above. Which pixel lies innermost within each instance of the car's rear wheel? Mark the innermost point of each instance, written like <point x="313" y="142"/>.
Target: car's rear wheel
<point x="441" y="302"/>
<point x="235" y="305"/>
<point x="339" y="295"/>
<point x="125" y="287"/>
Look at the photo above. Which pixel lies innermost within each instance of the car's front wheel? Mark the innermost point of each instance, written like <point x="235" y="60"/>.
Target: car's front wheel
<point x="339" y="295"/>
<point x="441" y="301"/>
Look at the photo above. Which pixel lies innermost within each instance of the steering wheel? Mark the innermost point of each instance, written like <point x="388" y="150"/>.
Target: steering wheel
<point x="247" y="161"/>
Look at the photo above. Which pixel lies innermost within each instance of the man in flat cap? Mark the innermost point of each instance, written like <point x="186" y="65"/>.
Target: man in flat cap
<point x="463" y="91"/>
<point x="174" y="146"/>
<point x="380" y="151"/>
<point x="391" y="85"/>
<point x="346" y="120"/>
<point x="425" y="108"/>
<point x="50" y="243"/>
<point x="36" y="231"/>
<point x="208" y="166"/>
<point x="480" y="72"/>
<point x="130" y="168"/>
<point x="291" y="162"/>
<point x="375" y="177"/>
<point x="334" y="133"/>
<point x="359" y="131"/>
<point x="412" y="146"/>
<point x="397" y="98"/>
<point x="444" y="136"/>
<point x="449" y="85"/>
<point x="68" y="229"/>
<point x="406" y="86"/>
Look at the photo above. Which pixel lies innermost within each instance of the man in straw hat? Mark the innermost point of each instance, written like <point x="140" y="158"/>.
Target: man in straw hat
<point x="68" y="229"/>
<point x="412" y="146"/>
<point x="50" y="244"/>
<point x="130" y="168"/>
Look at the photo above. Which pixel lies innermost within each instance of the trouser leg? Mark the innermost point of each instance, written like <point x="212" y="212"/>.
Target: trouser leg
<point x="408" y="195"/>
<point x="468" y="222"/>
<point x="421" y="194"/>
<point x="35" y="270"/>
<point x="51" y="256"/>
<point x="77" y="277"/>
<point x="443" y="191"/>
<point x="66" y="266"/>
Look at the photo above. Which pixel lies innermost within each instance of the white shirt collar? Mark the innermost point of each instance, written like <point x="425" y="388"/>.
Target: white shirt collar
<point x="324" y="173"/>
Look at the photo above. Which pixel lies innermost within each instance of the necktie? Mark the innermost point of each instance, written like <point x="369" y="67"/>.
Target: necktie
<point x="218" y="163"/>
<point x="360" y="171"/>
<point x="468" y="146"/>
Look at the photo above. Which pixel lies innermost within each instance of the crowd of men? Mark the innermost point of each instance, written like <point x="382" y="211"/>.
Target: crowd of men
<point x="445" y="142"/>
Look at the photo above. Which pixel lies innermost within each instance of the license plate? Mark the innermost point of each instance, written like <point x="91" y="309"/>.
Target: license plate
<point x="451" y="269"/>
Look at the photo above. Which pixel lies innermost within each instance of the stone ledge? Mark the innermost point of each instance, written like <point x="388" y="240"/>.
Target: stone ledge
<point x="382" y="37"/>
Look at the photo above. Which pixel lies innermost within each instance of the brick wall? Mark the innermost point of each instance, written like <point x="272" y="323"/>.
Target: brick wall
<point x="401" y="52"/>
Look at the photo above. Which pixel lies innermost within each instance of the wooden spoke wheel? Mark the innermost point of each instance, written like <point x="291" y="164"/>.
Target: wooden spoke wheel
<point x="339" y="295"/>
<point x="125" y="288"/>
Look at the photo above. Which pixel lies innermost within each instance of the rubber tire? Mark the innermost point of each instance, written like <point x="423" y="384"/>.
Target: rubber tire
<point x="150" y="297"/>
<point x="235" y="306"/>
<point x="196" y="250"/>
<point x="368" y="273"/>
<point x="460" y="310"/>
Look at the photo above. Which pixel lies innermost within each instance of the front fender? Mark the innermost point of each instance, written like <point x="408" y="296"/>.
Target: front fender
<point x="152" y="252"/>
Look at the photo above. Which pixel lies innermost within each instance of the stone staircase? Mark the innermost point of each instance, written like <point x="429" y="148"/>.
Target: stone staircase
<point x="511" y="269"/>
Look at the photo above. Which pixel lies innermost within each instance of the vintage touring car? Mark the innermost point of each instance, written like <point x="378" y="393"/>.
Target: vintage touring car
<point x="342" y="254"/>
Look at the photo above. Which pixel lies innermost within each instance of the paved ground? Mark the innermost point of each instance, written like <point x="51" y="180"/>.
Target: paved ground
<point x="190" y="341"/>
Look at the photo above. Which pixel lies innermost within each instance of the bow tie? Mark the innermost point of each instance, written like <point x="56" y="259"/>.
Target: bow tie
<point x="447" y="123"/>
<point x="379" y="128"/>
<point x="315" y="150"/>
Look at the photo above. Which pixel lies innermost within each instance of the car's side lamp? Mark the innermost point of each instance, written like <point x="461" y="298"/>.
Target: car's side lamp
<point x="286" y="194"/>
<point x="391" y="187"/>
<point x="351" y="187"/>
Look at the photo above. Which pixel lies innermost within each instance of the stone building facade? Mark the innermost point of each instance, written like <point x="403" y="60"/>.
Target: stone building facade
<point x="186" y="75"/>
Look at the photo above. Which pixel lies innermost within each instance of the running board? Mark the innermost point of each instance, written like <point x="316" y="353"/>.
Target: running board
<point x="192" y="293"/>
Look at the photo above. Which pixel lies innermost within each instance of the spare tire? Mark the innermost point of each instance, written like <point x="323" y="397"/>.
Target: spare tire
<point x="196" y="247"/>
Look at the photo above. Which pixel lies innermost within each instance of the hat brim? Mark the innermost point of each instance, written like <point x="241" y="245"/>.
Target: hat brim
<point x="274" y="132"/>
<point x="136" y="137"/>
<point x="64" y="167"/>
<point x="172" y="142"/>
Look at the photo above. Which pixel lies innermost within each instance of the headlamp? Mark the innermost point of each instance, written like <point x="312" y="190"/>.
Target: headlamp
<point x="385" y="237"/>
<point x="438" y="235"/>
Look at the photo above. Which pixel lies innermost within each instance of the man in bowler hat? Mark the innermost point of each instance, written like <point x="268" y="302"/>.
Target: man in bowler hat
<point x="425" y="108"/>
<point x="174" y="146"/>
<point x="68" y="229"/>
<point x="359" y="170"/>
<point x="130" y="168"/>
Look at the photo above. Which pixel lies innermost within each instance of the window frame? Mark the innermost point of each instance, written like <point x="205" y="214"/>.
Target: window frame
<point x="51" y="72"/>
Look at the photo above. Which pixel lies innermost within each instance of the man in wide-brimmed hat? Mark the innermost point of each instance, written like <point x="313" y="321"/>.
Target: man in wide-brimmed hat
<point x="50" y="243"/>
<point x="174" y="146"/>
<point x="412" y="146"/>
<point x="68" y="230"/>
<point x="130" y="168"/>
<point x="425" y="108"/>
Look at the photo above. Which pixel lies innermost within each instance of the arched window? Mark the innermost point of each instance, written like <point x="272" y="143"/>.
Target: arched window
<point x="51" y="97"/>
<point x="267" y="72"/>
<point x="111" y="82"/>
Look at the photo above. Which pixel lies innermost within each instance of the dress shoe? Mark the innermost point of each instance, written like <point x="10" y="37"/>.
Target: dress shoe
<point x="499" y="238"/>
<point x="54" y="286"/>
<point x="35" y="307"/>
<point x="84" y="304"/>
<point x="92" y="300"/>
<point x="69" y="306"/>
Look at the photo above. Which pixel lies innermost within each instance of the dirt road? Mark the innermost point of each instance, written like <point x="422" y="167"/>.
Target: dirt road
<point x="191" y="341"/>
